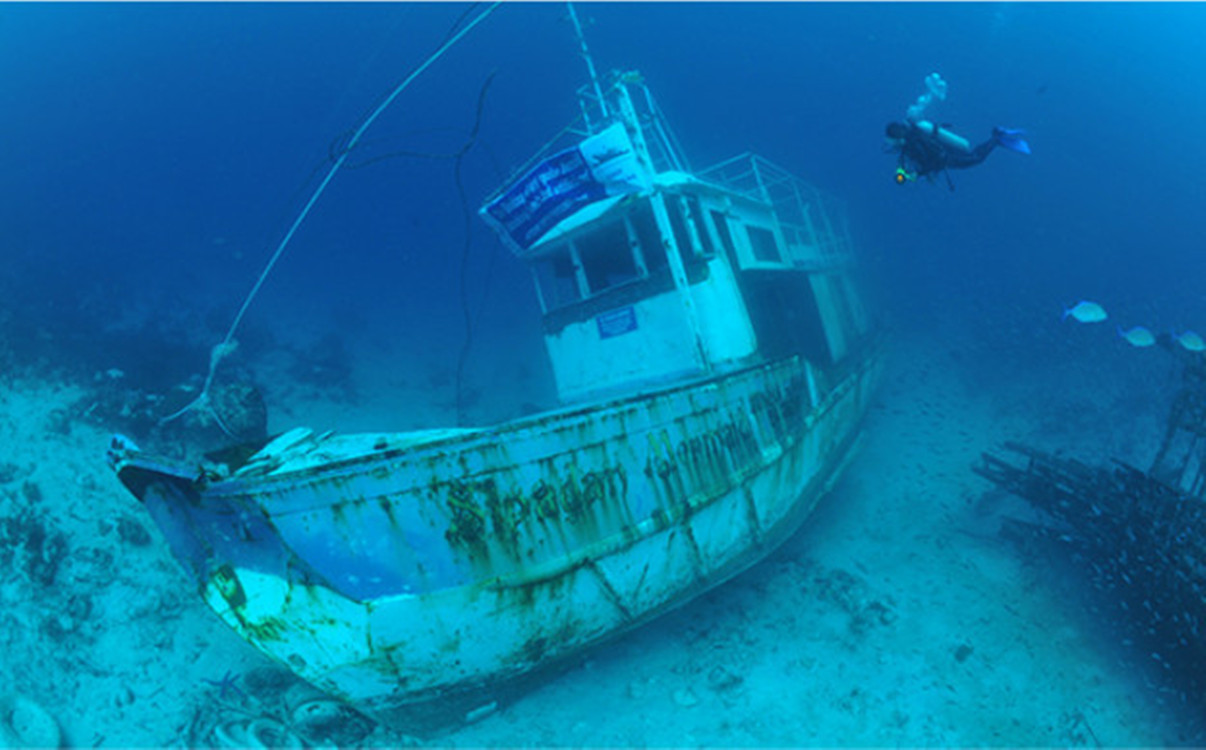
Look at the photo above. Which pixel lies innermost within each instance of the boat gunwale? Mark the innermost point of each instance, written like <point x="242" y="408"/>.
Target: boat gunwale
<point x="238" y="485"/>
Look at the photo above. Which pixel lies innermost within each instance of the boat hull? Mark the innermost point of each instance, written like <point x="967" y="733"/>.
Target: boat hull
<point x="416" y="578"/>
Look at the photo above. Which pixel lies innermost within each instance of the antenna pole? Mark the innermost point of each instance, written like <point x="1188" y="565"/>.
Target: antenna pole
<point x="590" y="63"/>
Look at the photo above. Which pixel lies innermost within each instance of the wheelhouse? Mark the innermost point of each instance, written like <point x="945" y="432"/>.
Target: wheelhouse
<point x="651" y="274"/>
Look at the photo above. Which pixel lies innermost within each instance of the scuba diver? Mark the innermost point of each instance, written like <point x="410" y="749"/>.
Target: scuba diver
<point x="926" y="148"/>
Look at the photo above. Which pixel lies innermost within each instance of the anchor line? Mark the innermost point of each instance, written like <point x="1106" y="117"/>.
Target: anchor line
<point x="225" y="346"/>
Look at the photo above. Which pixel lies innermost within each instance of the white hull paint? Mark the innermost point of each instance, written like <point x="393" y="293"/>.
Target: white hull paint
<point x="697" y="482"/>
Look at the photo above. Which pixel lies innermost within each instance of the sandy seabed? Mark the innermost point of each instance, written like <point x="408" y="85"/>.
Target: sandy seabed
<point x="897" y="616"/>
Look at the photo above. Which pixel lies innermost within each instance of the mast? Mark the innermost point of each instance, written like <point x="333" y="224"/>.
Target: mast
<point x="590" y="63"/>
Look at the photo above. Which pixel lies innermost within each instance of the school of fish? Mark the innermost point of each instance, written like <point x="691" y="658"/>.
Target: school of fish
<point x="1139" y="337"/>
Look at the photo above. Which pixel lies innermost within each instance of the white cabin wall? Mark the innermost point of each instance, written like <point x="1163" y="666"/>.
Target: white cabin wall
<point x="724" y="323"/>
<point x="835" y="323"/>
<point x="661" y="346"/>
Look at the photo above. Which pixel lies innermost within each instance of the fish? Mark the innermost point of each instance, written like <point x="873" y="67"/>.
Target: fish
<point x="1191" y="341"/>
<point x="1137" y="336"/>
<point x="1086" y="312"/>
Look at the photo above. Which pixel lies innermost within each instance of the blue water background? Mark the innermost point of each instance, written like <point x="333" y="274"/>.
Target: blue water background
<point x="153" y="156"/>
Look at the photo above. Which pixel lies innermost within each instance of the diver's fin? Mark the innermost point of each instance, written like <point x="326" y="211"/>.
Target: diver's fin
<point x="1011" y="138"/>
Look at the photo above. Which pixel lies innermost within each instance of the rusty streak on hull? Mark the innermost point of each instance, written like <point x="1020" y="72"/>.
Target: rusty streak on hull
<point x="402" y="577"/>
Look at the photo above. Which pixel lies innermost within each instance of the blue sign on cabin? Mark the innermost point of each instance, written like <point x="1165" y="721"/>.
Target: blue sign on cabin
<point x="617" y="322"/>
<point x="558" y="187"/>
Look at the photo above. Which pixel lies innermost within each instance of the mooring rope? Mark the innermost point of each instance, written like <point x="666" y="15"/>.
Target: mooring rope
<point x="227" y="344"/>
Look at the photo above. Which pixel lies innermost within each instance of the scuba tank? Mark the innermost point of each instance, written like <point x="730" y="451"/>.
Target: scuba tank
<point x="948" y="139"/>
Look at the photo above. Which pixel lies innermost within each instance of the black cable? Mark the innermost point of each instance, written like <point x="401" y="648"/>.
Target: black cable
<point x="337" y="148"/>
<point x="463" y="356"/>
<point x="339" y="144"/>
<point x="470" y="140"/>
<point x="457" y="23"/>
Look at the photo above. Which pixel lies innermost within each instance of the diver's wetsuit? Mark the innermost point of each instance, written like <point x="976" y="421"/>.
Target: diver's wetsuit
<point x="924" y="155"/>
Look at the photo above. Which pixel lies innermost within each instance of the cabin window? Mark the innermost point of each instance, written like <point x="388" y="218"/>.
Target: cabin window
<point x="593" y="263"/>
<point x="722" y="229"/>
<point x="678" y="224"/>
<point x="644" y="228"/>
<point x="626" y="250"/>
<point x="762" y="242"/>
<point x="557" y="279"/>
<point x="607" y="257"/>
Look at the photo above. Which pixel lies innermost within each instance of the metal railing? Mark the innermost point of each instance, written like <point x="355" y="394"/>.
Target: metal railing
<point x="806" y="216"/>
<point x="624" y="97"/>
<point x="627" y="97"/>
<point x="809" y="220"/>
